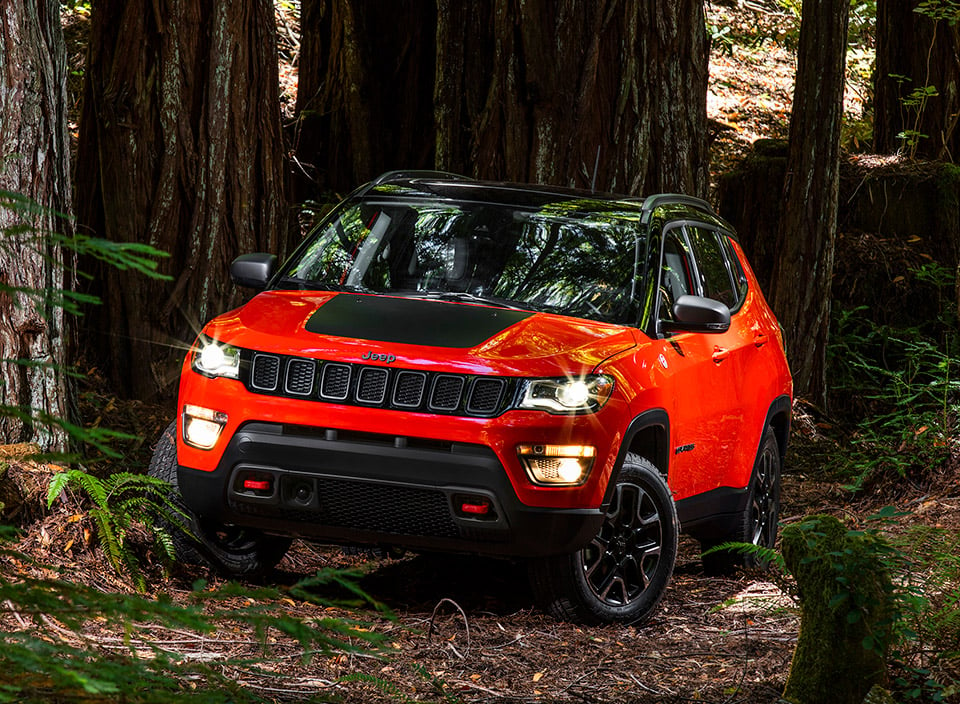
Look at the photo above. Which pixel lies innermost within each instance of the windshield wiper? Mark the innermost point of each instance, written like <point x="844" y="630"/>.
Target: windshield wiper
<point x="461" y="297"/>
<point x="314" y="285"/>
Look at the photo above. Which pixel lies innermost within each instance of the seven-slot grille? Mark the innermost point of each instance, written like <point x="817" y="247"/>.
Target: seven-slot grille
<point x="366" y="385"/>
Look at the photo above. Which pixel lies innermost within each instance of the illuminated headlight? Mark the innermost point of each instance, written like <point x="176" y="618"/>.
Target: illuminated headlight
<point x="567" y="395"/>
<point x="202" y="426"/>
<point x="215" y="359"/>
<point x="557" y="465"/>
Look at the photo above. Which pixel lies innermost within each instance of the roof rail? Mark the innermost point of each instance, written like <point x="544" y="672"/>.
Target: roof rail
<point x="417" y="173"/>
<point x="653" y="201"/>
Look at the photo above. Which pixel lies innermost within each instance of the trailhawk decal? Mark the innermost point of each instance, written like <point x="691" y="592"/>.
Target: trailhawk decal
<point x="411" y="321"/>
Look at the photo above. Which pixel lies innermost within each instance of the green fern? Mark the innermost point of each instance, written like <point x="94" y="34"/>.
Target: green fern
<point x="762" y="555"/>
<point x="120" y="501"/>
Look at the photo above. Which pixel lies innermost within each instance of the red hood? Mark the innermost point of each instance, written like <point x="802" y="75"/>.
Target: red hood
<point x="456" y="337"/>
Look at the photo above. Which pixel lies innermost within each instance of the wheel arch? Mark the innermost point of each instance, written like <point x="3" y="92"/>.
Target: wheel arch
<point x="647" y="435"/>
<point x="778" y="418"/>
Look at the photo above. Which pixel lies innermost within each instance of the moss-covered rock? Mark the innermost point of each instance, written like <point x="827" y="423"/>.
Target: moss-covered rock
<point x="846" y="608"/>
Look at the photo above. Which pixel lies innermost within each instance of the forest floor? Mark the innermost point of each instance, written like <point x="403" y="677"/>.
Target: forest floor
<point x="466" y="629"/>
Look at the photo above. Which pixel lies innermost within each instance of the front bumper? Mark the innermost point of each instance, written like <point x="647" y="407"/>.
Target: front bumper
<point x="370" y="488"/>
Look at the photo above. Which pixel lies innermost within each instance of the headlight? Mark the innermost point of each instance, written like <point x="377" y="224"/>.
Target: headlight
<point x="215" y="359"/>
<point x="567" y="395"/>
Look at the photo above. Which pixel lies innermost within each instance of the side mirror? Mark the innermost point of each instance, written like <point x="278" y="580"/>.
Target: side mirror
<point x="253" y="270"/>
<point x="698" y="314"/>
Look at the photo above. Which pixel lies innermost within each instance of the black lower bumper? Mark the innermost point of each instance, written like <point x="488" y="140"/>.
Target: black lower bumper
<point x="372" y="489"/>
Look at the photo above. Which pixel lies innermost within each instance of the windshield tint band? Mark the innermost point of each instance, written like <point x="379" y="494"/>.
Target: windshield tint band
<point x="411" y="321"/>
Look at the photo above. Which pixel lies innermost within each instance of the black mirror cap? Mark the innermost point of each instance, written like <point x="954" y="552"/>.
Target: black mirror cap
<point x="698" y="314"/>
<point x="253" y="270"/>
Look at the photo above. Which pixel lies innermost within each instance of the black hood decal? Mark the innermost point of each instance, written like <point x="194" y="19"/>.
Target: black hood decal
<point x="411" y="321"/>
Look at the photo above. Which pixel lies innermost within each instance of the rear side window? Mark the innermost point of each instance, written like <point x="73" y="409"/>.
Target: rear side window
<point x="716" y="278"/>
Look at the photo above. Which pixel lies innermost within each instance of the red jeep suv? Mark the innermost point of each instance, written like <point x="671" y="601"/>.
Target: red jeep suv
<point x="452" y="365"/>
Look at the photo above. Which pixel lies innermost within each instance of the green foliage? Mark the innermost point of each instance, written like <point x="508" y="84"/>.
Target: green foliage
<point x="52" y="656"/>
<point x="761" y="555"/>
<point x="937" y="10"/>
<point x="901" y="384"/>
<point x="930" y="575"/>
<point x="896" y="593"/>
<point x="863" y="23"/>
<point x="121" y="500"/>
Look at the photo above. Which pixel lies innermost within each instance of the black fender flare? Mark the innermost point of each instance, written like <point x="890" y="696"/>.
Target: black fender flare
<point x="657" y="419"/>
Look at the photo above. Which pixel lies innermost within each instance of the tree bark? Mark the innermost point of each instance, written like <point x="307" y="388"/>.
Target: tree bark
<point x="365" y="91"/>
<point x="801" y="283"/>
<point x="180" y="148"/>
<point x="34" y="162"/>
<point x="609" y="95"/>
<point x="915" y="51"/>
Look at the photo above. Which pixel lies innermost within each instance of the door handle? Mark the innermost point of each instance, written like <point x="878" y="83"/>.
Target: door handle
<point x="720" y="354"/>
<point x="760" y="339"/>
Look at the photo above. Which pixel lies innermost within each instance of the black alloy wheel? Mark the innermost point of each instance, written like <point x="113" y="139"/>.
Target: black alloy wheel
<point x="623" y="573"/>
<point x="622" y="560"/>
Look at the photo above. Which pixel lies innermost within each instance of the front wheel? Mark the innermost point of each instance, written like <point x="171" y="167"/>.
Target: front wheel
<point x="231" y="550"/>
<point x="622" y="575"/>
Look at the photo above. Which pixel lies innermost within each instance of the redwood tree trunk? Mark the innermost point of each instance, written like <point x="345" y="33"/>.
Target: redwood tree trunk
<point x="800" y="289"/>
<point x="915" y="51"/>
<point x="567" y="92"/>
<point x="180" y="148"/>
<point x="34" y="162"/>
<point x="364" y="92"/>
<point x="604" y="94"/>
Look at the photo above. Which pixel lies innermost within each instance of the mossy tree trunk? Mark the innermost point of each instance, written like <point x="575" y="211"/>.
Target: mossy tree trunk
<point x="34" y="162"/>
<point x="916" y="52"/>
<point x="548" y="92"/>
<point x="845" y="612"/>
<point x="800" y="285"/>
<point x="180" y="148"/>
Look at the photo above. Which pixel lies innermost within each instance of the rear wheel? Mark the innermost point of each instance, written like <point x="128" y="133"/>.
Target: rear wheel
<point x="622" y="574"/>
<point x="231" y="550"/>
<point x="757" y="524"/>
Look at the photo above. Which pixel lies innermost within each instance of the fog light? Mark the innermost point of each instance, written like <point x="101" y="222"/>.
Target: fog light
<point x="202" y="426"/>
<point x="557" y="465"/>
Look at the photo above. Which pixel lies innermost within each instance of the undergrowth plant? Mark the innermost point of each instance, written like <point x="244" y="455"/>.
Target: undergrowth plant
<point x="901" y="387"/>
<point x="121" y="501"/>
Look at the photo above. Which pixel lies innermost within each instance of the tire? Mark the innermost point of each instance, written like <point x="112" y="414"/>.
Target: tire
<point x="231" y="550"/>
<point x="622" y="575"/>
<point x="757" y="524"/>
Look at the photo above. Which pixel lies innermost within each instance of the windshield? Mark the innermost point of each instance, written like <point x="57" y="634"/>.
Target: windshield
<point x="574" y="258"/>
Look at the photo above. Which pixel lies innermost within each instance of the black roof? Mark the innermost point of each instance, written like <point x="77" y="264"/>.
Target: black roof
<point x="447" y="186"/>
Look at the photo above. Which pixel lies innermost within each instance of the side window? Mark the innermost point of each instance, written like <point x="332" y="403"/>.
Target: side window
<point x="715" y="278"/>
<point x="675" y="272"/>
